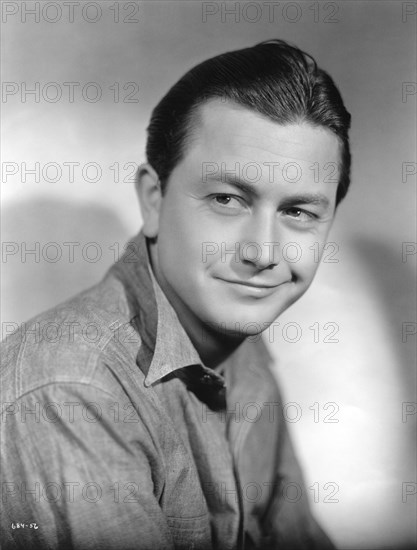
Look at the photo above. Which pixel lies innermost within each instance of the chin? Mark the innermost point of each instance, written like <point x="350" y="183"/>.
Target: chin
<point x="248" y="323"/>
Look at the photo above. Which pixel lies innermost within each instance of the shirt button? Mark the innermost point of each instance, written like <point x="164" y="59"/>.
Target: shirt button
<point x="206" y="378"/>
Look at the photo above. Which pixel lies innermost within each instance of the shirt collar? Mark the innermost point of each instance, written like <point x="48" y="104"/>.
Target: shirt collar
<point x="169" y="347"/>
<point x="173" y="348"/>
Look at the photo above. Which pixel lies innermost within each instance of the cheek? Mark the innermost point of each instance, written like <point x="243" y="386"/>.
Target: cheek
<point x="180" y="243"/>
<point x="186" y="227"/>
<point x="305" y="268"/>
<point x="302" y="256"/>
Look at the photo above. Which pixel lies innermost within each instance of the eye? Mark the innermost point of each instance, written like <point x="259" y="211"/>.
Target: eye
<point x="224" y="202"/>
<point x="299" y="214"/>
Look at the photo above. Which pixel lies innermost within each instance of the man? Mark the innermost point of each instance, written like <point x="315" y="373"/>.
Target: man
<point x="152" y="420"/>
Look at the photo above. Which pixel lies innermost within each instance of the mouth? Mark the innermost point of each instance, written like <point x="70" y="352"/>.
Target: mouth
<point x="249" y="288"/>
<point x="249" y="284"/>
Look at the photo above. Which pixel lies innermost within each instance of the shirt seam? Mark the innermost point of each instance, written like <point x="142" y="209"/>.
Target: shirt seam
<point x="58" y="382"/>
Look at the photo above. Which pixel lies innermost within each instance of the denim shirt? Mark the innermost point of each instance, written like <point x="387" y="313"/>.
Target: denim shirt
<point x="116" y="436"/>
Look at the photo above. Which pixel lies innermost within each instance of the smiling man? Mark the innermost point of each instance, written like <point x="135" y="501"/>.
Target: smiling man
<point x="167" y="430"/>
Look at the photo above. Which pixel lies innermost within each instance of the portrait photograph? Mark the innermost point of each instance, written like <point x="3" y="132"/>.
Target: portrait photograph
<point x="208" y="275"/>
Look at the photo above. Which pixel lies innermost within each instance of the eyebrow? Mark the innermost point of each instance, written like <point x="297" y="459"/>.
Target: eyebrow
<point x="234" y="181"/>
<point x="250" y="188"/>
<point x="306" y="198"/>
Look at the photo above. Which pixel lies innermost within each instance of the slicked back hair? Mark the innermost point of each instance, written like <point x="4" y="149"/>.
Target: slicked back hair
<point x="272" y="78"/>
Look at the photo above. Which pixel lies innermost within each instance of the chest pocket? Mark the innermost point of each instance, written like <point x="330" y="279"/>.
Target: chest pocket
<point x="191" y="533"/>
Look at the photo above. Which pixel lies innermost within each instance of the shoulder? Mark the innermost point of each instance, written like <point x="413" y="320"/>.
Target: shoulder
<point x="71" y="343"/>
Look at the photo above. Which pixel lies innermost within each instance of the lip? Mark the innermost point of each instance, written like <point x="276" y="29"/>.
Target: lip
<point x="245" y="288"/>
<point x="249" y="284"/>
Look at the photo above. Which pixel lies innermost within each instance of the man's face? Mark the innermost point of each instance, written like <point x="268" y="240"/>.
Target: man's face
<point x="243" y="217"/>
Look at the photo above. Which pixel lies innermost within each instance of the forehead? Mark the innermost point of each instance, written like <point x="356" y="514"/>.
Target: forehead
<point x="229" y="133"/>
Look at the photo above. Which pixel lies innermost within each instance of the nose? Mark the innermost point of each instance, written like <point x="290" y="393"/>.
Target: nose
<point x="260" y="247"/>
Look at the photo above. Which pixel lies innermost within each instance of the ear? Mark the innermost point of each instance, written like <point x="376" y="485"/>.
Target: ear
<point x="148" y="188"/>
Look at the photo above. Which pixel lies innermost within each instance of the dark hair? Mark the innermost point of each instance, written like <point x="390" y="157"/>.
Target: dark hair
<point x="273" y="78"/>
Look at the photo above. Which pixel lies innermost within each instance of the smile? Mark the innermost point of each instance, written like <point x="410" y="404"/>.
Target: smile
<point x="246" y="287"/>
<point x="247" y="283"/>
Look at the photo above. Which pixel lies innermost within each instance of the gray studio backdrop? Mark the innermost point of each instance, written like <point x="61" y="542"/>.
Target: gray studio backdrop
<point x="79" y="82"/>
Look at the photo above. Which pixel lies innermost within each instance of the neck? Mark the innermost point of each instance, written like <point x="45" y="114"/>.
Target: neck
<point x="214" y="347"/>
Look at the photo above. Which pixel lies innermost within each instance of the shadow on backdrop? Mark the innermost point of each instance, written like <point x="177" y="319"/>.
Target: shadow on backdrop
<point x="393" y="281"/>
<point x="52" y="250"/>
